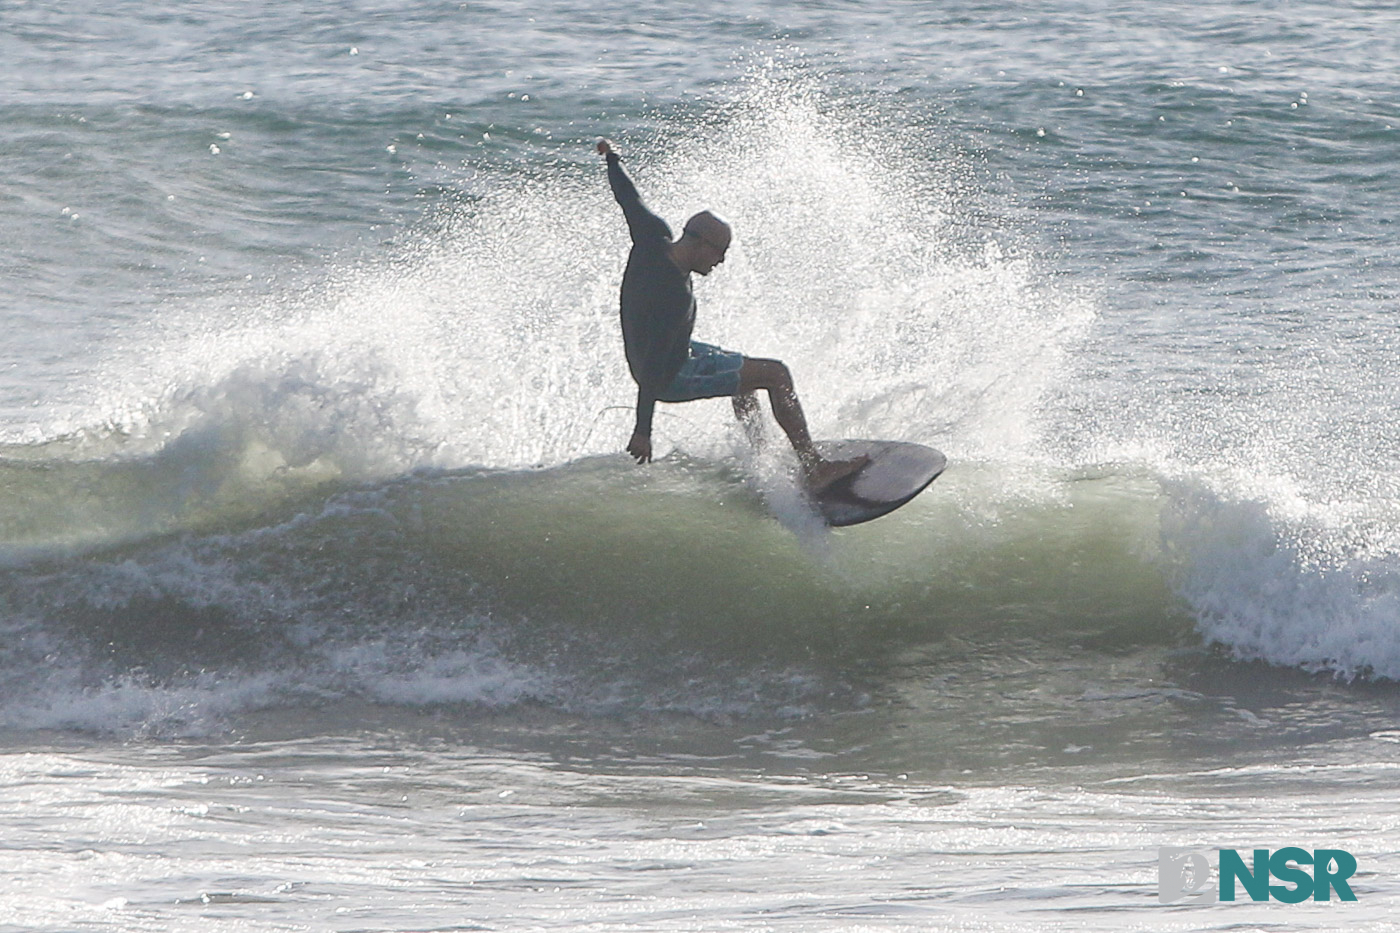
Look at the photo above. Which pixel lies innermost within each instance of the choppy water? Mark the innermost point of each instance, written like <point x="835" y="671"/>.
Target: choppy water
<point x="328" y="601"/>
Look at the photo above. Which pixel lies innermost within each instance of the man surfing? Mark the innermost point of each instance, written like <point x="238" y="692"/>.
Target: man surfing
<point x="658" y="314"/>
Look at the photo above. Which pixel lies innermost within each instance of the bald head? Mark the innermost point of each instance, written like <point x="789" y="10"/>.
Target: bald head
<point x="703" y="243"/>
<point x="708" y="228"/>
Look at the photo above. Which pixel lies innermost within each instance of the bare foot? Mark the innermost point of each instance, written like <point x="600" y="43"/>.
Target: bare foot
<point x="823" y="473"/>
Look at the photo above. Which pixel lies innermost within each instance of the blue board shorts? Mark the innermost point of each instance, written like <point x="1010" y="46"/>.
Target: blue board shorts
<point x="708" y="372"/>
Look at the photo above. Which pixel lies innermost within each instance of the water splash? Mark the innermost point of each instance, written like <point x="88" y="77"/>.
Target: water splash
<point x="492" y="340"/>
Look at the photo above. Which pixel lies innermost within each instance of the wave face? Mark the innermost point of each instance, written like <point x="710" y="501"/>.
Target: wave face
<point x="593" y="589"/>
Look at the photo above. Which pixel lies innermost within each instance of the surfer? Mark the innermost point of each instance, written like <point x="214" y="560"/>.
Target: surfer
<point x="658" y="314"/>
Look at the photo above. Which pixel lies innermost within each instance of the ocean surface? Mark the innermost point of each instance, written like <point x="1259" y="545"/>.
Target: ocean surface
<point x="330" y="602"/>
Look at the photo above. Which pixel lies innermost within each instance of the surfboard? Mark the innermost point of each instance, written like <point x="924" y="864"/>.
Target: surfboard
<point x="897" y="472"/>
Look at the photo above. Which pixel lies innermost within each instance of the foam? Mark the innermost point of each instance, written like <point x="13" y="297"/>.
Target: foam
<point x="1287" y="581"/>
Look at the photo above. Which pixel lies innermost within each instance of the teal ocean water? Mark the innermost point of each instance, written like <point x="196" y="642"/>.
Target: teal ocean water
<point x="329" y="601"/>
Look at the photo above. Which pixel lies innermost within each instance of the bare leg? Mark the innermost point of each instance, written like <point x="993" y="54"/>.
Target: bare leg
<point x="747" y="411"/>
<point x="773" y="377"/>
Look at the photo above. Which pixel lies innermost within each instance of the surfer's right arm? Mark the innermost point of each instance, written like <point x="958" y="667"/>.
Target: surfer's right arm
<point x="640" y="221"/>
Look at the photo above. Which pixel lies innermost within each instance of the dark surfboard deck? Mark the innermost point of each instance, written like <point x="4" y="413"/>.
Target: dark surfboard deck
<point x="897" y="472"/>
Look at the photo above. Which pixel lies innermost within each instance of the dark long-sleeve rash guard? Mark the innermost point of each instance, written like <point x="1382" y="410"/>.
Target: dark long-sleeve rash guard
<point x="658" y="307"/>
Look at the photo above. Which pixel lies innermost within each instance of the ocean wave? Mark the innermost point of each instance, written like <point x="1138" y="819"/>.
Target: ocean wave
<point x="395" y="485"/>
<point x="594" y="588"/>
<point x="690" y="586"/>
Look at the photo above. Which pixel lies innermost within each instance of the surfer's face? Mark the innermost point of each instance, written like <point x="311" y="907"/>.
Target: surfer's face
<point x="709" y="256"/>
<point x="709" y="239"/>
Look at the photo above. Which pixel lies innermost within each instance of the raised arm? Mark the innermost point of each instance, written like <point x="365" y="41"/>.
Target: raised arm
<point x="641" y="222"/>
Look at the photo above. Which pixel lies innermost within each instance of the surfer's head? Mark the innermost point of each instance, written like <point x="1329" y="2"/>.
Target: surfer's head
<point x="703" y="243"/>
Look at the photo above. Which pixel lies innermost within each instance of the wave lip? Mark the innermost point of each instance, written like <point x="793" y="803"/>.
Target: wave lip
<point x="1306" y="587"/>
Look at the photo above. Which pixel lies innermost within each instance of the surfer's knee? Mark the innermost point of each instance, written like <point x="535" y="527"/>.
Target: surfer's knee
<point x="765" y="374"/>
